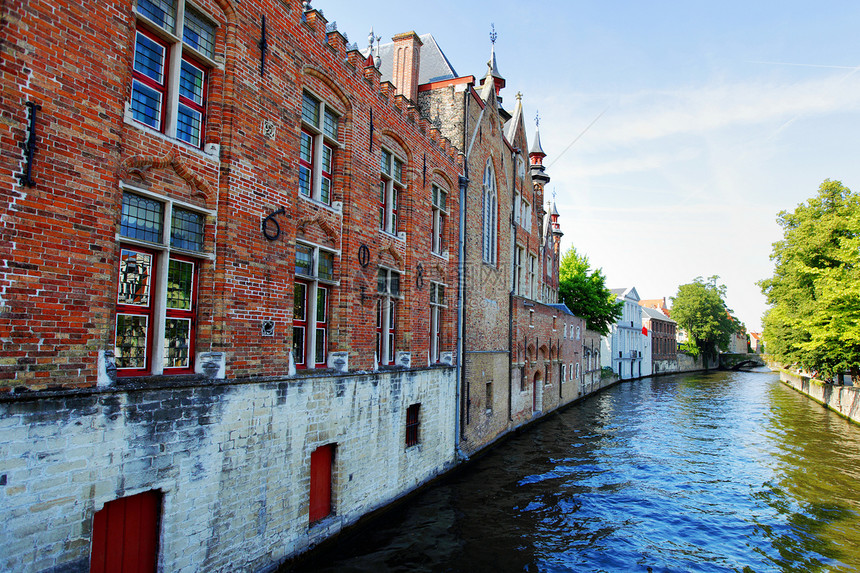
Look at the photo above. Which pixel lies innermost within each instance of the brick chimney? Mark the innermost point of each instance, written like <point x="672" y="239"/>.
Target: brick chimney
<point x="407" y="55"/>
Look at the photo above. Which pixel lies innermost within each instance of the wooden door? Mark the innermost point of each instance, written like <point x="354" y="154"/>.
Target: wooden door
<point x="320" y="493"/>
<point x="125" y="535"/>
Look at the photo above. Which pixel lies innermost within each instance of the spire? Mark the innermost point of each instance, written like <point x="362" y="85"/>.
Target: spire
<point x="536" y="152"/>
<point x="536" y="155"/>
<point x="493" y="68"/>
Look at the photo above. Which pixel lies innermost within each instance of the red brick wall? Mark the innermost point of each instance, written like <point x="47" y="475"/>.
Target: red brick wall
<point x="58" y="279"/>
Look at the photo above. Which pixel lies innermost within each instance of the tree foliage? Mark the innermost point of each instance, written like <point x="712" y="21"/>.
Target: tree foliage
<point x="814" y="322"/>
<point x="700" y="309"/>
<point x="585" y="294"/>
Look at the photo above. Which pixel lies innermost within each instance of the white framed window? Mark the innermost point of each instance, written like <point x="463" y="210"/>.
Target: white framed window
<point x="159" y="268"/>
<point x="317" y="149"/>
<point x="438" y="303"/>
<point x="391" y="188"/>
<point x="388" y="291"/>
<point x="525" y="214"/>
<point x="518" y="270"/>
<point x="533" y="277"/>
<point x="439" y="214"/>
<point x="174" y="51"/>
<point x="565" y="330"/>
<point x="490" y="217"/>
<point x="564" y="373"/>
<point x="577" y="332"/>
<point x="312" y="290"/>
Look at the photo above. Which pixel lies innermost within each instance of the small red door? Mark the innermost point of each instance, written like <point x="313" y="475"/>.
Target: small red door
<point x="125" y="535"/>
<point x="320" y="494"/>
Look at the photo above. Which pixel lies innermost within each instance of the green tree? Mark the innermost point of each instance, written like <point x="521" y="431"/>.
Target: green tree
<point x="585" y="294"/>
<point x="700" y="309"/>
<point x="814" y="322"/>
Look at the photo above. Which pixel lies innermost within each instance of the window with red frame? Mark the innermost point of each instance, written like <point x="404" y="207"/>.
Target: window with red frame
<point x="388" y="289"/>
<point x="157" y="271"/>
<point x="311" y="290"/>
<point x="412" y="424"/>
<point x="169" y="94"/>
<point x="390" y="191"/>
<point x="317" y="145"/>
<point x="439" y="212"/>
<point x="437" y="304"/>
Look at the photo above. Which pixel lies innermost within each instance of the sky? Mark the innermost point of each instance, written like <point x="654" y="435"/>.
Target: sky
<point x="675" y="132"/>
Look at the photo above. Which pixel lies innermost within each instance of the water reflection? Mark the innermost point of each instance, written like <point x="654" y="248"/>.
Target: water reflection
<point x="703" y="472"/>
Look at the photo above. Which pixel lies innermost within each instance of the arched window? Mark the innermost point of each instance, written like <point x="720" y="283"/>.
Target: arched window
<point x="490" y="215"/>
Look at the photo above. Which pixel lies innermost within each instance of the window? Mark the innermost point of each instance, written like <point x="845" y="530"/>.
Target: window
<point x="489" y="397"/>
<point x="518" y="271"/>
<point x="390" y="191"/>
<point x="577" y="332"/>
<point x="564" y="372"/>
<point x="311" y="292"/>
<point x="412" y="424"/>
<point x="532" y="286"/>
<point x="125" y="535"/>
<point x="577" y="370"/>
<point x="319" y="498"/>
<point x="388" y="288"/>
<point x="565" y="330"/>
<point x="173" y="54"/>
<point x="157" y="286"/>
<point x="317" y="149"/>
<point x="437" y="303"/>
<point x="440" y="210"/>
<point x="490" y="215"/>
<point x="525" y="215"/>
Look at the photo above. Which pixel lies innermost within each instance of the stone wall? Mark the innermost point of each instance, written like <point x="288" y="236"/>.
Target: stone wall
<point x="845" y="400"/>
<point x="231" y="462"/>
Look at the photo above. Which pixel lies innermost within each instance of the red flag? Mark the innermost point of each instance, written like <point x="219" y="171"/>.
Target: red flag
<point x="645" y="330"/>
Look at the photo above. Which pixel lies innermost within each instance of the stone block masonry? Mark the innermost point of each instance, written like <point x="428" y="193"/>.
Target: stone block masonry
<point x="844" y="400"/>
<point x="231" y="462"/>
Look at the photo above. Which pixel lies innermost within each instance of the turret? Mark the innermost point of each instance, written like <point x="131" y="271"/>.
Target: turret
<point x="536" y="155"/>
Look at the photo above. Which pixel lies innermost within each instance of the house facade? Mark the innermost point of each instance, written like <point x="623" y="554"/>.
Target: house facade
<point x="664" y="346"/>
<point x="623" y="348"/>
<point x="228" y="286"/>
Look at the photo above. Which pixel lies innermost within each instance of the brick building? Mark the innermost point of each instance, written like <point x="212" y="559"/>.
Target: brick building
<point x="664" y="346"/>
<point x="232" y="256"/>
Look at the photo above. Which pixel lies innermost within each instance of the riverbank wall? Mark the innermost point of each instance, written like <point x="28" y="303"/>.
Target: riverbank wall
<point x="844" y="400"/>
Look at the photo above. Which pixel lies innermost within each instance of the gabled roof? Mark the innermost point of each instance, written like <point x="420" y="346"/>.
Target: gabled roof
<point x="655" y="314"/>
<point x="629" y="292"/>
<point x="433" y="66"/>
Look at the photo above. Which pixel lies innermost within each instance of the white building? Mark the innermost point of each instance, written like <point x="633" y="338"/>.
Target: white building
<point x="624" y="346"/>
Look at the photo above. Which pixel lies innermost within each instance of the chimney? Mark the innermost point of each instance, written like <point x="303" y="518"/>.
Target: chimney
<point x="407" y="56"/>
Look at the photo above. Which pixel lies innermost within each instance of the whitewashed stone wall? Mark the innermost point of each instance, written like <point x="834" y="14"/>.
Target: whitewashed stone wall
<point x="232" y="462"/>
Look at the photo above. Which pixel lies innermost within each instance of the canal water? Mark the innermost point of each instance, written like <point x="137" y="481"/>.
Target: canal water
<point x="699" y="472"/>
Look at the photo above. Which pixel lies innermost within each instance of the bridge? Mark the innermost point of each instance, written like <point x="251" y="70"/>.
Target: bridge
<point x="741" y="361"/>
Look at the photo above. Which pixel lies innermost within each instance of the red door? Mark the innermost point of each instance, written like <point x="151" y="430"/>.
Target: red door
<point x="125" y="535"/>
<point x="320" y="494"/>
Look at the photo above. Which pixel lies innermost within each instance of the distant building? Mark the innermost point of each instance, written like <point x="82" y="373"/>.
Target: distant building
<point x="624" y="345"/>
<point x="664" y="346"/>
<point x="656" y="303"/>
<point x="756" y="342"/>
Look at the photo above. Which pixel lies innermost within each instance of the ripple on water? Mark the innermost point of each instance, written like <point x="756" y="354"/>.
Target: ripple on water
<point x="706" y="472"/>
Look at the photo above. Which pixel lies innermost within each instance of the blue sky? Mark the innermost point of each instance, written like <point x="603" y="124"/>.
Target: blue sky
<point x="715" y="116"/>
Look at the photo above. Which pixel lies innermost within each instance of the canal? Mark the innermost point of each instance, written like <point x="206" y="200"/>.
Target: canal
<point x="699" y="472"/>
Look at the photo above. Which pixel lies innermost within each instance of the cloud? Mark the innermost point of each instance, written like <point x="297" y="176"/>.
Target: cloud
<point x="652" y="115"/>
